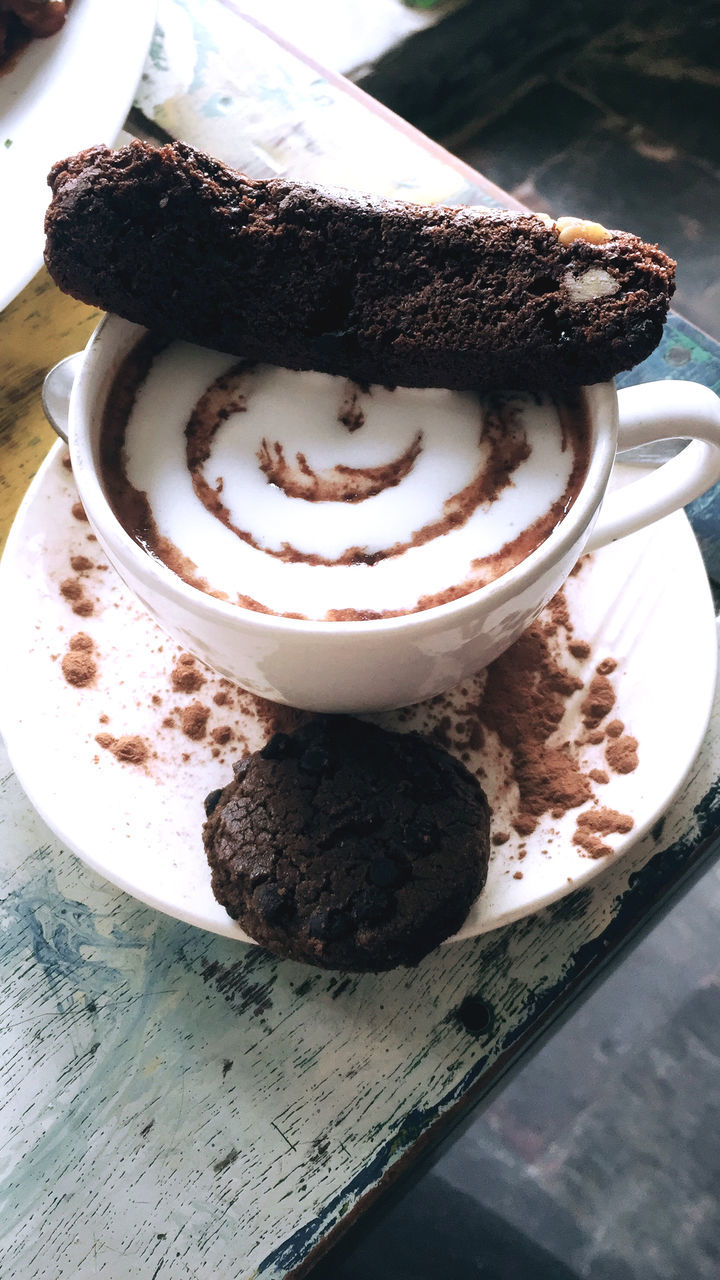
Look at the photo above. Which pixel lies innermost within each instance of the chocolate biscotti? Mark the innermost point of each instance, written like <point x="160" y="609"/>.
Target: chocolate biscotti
<point x="381" y="291"/>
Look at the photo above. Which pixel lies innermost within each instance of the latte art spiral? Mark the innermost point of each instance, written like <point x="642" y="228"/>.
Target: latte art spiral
<point x="305" y="495"/>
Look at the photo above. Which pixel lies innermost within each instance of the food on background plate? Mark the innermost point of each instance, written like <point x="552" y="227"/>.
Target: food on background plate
<point x="21" y="20"/>
<point x="381" y="291"/>
<point x="347" y="846"/>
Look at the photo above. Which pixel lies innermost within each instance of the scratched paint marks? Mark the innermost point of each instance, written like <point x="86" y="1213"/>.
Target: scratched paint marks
<point x="289" y="1059"/>
<point x="137" y="1105"/>
<point x="245" y="993"/>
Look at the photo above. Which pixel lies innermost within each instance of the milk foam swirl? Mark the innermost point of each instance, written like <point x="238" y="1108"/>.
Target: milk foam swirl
<point x="301" y="494"/>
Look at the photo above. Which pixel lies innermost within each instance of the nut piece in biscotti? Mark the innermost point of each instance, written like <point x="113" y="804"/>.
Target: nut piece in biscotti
<point x="348" y="847"/>
<point x="381" y="291"/>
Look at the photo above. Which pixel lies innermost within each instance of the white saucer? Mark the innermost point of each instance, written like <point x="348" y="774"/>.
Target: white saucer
<point x="644" y="601"/>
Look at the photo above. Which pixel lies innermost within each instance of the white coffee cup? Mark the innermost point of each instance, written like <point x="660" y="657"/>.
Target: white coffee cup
<point x="392" y="662"/>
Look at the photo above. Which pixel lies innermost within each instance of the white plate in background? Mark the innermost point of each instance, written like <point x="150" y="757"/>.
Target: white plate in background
<point x="58" y="96"/>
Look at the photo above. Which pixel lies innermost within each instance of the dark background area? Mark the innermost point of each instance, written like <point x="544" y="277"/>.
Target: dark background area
<point x="611" y="111"/>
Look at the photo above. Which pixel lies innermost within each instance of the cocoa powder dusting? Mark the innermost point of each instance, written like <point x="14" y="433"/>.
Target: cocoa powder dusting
<point x="81" y="640"/>
<point x="334" y="484"/>
<point x="621" y="754"/>
<point x="273" y="716"/>
<point x="524" y="700"/>
<point x="84" y="608"/>
<point x="72" y="590"/>
<point x="606" y="667"/>
<point x="524" y="703"/>
<point x="78" y="511"/>
<point x="222" y="734"/>
<point x="525" y="824"/>
<point x="600" y="822"/>
<point x="81" y="564"/>
<point x="559" y="615"/>
<point x="129" y="749"/>
<point x="614" y="729"/>
<point x="579" y="649"/>
<point x="78" y="665"/>
<point x="185" y="677"/>
<point x="605" y="821"/>
<point x="599" y="701"/>
<point x="78" y="668"/>
<point x="592" y="844"/>
<point x="193" y="720"/>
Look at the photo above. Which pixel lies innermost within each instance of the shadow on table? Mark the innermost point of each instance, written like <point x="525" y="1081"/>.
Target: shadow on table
<point x="434" y="1231"/>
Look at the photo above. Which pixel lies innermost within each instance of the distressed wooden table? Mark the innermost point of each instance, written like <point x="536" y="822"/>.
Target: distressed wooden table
<point x="178" y="1105"/>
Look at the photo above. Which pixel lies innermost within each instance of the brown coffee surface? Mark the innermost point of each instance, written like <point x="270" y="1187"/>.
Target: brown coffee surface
<point x="505" y="442"/>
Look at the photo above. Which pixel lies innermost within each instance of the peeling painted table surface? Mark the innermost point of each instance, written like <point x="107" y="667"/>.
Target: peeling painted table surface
<point x="176" y="1104"/>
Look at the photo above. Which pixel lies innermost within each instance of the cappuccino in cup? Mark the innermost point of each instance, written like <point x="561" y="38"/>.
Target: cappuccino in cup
<point x="304" y="495"/>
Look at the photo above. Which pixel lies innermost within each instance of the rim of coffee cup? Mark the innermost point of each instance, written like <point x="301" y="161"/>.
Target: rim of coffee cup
<point x="94" y="380"/>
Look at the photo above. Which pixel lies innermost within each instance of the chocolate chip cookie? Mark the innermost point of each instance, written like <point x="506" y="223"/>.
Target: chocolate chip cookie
<point x="349" y="847"/>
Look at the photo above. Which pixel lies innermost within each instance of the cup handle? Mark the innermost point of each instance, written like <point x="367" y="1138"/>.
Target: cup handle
<point x="661" y="411"/>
